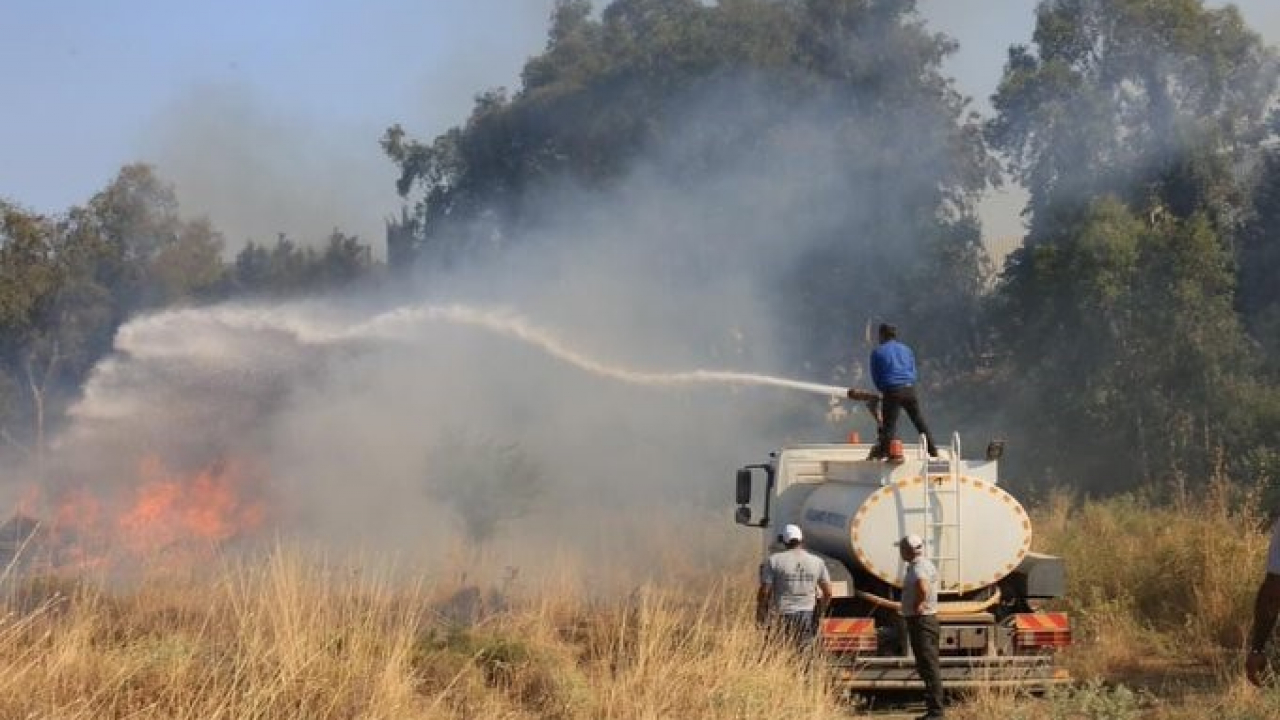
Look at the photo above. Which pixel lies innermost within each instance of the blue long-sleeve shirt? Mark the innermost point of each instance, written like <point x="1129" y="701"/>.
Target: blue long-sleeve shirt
<point x="892" y="366"/>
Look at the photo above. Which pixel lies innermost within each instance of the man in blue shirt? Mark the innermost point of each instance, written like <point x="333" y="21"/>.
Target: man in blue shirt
<point x="893" y="370"/>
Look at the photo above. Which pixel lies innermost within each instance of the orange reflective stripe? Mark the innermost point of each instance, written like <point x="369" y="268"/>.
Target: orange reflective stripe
<point x="1043" y="621"/>
<point x="847" y="626"/>
<point x="1057" y="620"/>
<point x="1042" y="630"/>
<point x="1028" y="621"/>
<point x="862" y="626"/>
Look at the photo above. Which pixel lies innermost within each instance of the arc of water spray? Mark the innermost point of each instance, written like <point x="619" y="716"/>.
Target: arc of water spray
<point x="387" y="324"/>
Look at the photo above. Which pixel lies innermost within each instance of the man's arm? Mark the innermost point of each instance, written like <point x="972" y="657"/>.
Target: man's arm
<point x="1266" y="606"/>
<point x="824" y="596"/>
<point x="922" y="594"/>
<point x="764" y="594"/>
<point x="877" y="370"/>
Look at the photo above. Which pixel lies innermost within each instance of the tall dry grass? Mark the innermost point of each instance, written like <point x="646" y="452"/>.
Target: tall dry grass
<point x="289" y="636"/>
<point x="1160" y="592"/>
<point x="1155" y="579"/>
<point x="1160" y="595"/>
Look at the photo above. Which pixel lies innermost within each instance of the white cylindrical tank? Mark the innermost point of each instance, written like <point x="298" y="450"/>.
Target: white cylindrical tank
<point x="975" y="532"/>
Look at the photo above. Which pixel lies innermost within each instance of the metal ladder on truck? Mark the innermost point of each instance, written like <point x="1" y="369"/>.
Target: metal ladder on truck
<point x="942" y="512"/>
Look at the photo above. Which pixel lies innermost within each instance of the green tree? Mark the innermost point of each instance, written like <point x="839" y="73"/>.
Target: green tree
<point x="1129" y="123"/>
<point x="67" y="283"/>
<point x="1152" y="102"/>
<point x="29" y="281"/>
<point x="189" y="267"/>
<point x="54" y="320"/>
<point x="1259" y="260"/>
<point x="485" y="483"/>
<point x="145" y="253"/>
<point x="137" y="212"/>
<point x="747" y="87"/>
<point x="289" y="269"/>
<point x="251" y="269"/>
<point x="344" y="261"/>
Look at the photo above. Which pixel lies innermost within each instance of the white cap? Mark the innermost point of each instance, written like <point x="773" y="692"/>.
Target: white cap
<point x="791" y="533"/>
<point x="915" y="542"/>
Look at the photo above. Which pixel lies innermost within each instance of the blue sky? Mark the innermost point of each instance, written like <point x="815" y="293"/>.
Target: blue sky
<point x="234" y="101"/>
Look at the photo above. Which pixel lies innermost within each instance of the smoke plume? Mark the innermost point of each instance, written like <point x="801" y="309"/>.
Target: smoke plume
<point x="572" y="354"/>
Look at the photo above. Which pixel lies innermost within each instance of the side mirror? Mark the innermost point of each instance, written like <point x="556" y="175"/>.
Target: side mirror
<point x="742" y="515"/>
<point x="742" y="492"/>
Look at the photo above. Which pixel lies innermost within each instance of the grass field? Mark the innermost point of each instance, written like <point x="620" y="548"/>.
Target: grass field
<point x="1160" y="595"/>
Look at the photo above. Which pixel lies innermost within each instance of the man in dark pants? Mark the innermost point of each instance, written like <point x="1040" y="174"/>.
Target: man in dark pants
<point x="795" y="590"/>
<point x="920" y="609"/>
<point x="893" y="370"/>
<point x="1266" y="605"/>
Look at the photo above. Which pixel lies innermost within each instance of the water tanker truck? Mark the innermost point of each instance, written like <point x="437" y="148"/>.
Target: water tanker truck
<point x="853" y="512"/>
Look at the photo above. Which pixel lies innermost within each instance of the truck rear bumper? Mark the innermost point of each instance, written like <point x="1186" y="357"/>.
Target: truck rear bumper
<point x="1030" y="672"/>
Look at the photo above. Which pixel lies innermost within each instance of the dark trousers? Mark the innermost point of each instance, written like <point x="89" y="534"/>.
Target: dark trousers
<point x="891" y="403"/>
<point x="924" y="631"/>
<point x="795" y="628"/>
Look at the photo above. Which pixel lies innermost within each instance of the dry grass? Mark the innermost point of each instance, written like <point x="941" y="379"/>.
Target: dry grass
<point x="290" y="637"/>
<point x="1157" y="581"/>
<point x="1160" y="598"/>
<point x="1160" y="591"/>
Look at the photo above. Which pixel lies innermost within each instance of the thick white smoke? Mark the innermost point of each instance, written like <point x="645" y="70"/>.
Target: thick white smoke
<point x="571" y="353"/>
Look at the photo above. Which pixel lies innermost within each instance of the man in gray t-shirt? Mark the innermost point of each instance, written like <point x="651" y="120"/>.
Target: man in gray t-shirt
<point x="790" y="583"/>
<point x="919" y="583"/>
<point x="920" y="608"/>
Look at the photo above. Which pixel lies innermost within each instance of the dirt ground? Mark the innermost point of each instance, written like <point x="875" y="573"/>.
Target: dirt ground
<point x="1174" y="691"/>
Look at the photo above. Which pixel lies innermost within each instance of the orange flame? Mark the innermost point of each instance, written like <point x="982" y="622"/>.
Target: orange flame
<point x="170" y="509"/>
<point x="165" y="512"/>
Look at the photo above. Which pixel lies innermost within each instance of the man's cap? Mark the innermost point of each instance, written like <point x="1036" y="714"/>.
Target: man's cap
<point x="915" y="542"/>
<point x="792" y="533"/>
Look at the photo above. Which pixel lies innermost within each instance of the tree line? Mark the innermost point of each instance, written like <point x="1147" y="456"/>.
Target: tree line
<point x="1132" y="337"/>
<point x="68" y="282"/>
